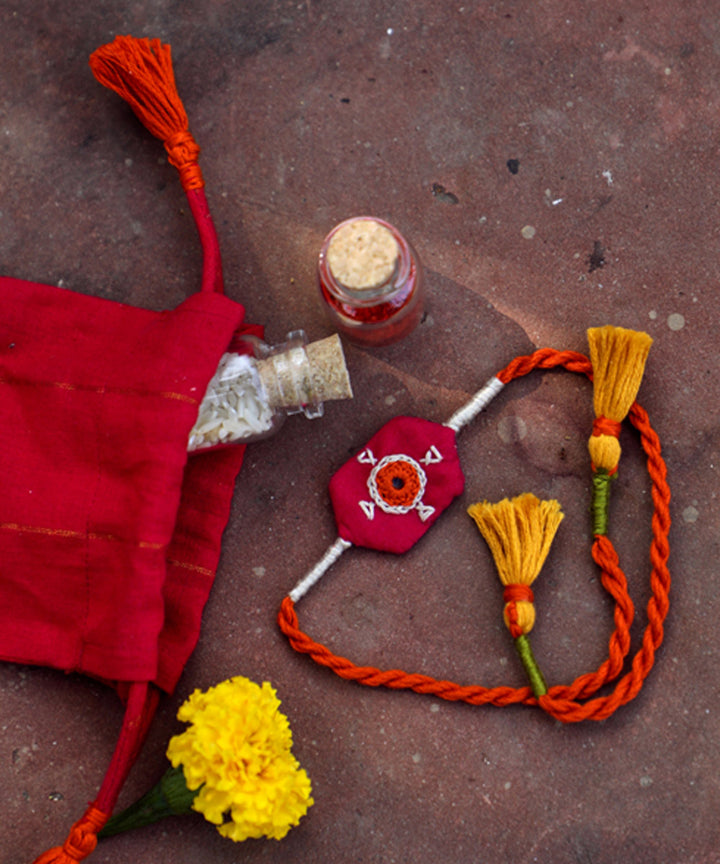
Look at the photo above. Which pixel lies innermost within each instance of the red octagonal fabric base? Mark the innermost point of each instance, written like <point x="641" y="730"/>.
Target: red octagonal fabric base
<point x="389" y="494"/>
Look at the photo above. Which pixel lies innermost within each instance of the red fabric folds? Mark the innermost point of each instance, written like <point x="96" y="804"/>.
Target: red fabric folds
<point x="109" y="535"/>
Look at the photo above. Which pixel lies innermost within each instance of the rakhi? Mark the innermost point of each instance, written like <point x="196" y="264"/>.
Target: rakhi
<point x="388" y="495"/>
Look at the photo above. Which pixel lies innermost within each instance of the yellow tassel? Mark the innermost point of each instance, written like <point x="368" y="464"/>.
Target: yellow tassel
<point x="618" y="358"/>
<point x="519" y="533"/>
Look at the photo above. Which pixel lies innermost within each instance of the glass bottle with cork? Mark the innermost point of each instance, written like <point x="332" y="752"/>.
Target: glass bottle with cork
<point x="251" y="393"/>
<point x="371" y="281"/>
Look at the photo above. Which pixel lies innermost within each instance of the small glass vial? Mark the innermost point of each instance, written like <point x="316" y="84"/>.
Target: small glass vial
<point x="371" y="281"/>
<point x="250" y="395"/>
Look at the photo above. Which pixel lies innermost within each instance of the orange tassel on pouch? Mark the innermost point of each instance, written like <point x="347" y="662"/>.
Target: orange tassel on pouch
<point x="141" y="72"/>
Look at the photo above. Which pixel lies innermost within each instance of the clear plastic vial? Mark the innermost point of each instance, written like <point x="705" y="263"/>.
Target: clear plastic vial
<point x="371" y="281"/>
<point x="250" y="395"/>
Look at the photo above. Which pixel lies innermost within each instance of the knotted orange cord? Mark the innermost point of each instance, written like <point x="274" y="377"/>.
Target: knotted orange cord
<point x="81" y="840"/>
<point x="560" y="701"/>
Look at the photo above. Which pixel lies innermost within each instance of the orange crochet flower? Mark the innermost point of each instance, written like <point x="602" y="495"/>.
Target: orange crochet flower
<point x="399" y="482"/>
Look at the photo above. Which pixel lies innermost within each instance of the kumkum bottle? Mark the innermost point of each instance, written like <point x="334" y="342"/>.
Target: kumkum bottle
<point x="250" y="395"/>
<point x="371" y="281"/>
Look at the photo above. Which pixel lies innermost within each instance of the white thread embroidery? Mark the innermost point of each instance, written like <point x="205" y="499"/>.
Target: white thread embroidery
<point x="368" y="509"/>
<point x="367" y="457"/>
<point x="433" y="456"/>
<point x="425" y="511"/>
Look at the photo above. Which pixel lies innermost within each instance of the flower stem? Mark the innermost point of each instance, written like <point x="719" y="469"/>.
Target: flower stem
<point x="169" y="797"/>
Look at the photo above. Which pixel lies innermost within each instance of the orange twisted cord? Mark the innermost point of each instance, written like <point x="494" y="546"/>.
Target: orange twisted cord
<point x="545" y="358"/>
<point x="561" y="701"/>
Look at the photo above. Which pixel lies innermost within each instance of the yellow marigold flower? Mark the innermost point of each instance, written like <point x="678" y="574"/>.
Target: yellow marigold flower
<point x="237" y="753"/>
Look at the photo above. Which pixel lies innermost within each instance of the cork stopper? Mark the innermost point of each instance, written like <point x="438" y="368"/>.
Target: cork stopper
<point x="306" y="374"/>
<point x="328" y="370"/>
<point x="362" y="254"/>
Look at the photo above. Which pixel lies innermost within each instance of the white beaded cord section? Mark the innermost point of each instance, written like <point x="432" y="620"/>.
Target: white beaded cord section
<point x="474" y="406"/>
<point x="318" y="571"/>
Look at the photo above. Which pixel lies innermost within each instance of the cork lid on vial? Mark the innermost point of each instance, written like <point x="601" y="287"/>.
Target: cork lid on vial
<point x="305" y="374"/>
<point x="362" y="254"/>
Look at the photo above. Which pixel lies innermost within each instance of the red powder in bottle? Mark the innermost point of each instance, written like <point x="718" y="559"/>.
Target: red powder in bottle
<point x="371" y="281"/>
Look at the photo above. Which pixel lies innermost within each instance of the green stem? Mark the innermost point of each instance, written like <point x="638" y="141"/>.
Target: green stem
<point x="600" y="504"/>
<point x="170" y="797"/>
<point x="535" y="676"/>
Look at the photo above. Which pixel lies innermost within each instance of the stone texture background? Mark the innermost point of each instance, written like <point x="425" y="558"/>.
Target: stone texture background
<point x="311" y="111"/>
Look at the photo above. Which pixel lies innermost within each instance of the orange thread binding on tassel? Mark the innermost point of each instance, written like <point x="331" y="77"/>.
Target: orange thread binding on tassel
<point x="81" y="840"/>
<point x="512" y="595"/>
<point x="141" y="72"/>
<point x="561" y="702"/>
<point x="606" y="426"/>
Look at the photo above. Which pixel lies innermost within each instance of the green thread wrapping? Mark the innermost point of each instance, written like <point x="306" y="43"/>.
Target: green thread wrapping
<point x="600" y="504"/>
<point x="535" y="676"/>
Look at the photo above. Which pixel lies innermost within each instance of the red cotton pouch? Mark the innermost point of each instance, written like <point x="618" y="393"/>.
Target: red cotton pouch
<point x="110" y="533"/>
<point x="97" y="403"/>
